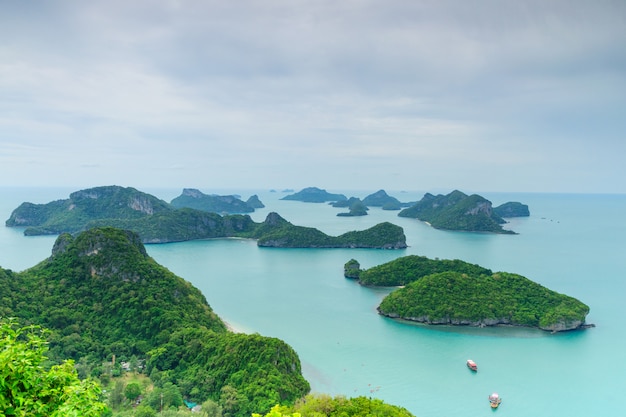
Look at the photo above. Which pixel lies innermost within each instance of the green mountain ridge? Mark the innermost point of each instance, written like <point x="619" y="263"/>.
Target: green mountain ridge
<point x="101" y="295"/>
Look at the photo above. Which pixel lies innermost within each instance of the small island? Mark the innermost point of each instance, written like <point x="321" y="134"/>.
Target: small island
<point x="457" y="211"/>
<point x="381" y="199"/>
<point x="454" y="292"/>
<point x="314" y="195"/>
<point x="223" y="204"/>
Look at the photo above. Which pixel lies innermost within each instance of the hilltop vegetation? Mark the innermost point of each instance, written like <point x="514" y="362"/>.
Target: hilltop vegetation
<point x="456" y="292"/>
<point x="280" y="233"/>
<point x="155" y="221"/>
<point x="411" y="268"/>
<point x="102" y="297"/>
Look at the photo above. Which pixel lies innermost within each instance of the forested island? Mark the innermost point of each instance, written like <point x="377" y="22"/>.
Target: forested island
<point x="314" y="195"/>
<point x="459" y="293"/>
<point x="111" y="309"/>
<point x="458" y="211"/>
<point x="196" y="199"/>
<point x="156" y="221"/>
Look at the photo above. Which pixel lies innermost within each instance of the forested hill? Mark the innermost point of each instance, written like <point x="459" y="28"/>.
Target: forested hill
<point x="101" y="295"/>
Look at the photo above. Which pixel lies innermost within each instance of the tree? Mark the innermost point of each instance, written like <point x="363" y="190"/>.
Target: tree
<point x="27" y="388"/>
<point x="132" y="391"/>
<point x="211" y="409"/>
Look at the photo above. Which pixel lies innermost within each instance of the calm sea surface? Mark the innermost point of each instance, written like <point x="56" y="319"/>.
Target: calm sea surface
<point x="573" y="244"/>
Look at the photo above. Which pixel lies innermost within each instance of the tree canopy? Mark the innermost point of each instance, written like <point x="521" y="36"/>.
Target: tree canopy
<point x="29" y="389"/>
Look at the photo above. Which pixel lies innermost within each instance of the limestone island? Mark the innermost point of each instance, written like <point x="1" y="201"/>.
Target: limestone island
<point x="458" y="211"/>
<point x="454" y="292"/>
<point x="314" y="195"/>
<point x="223" y="204"/>
<point x="156" y="221"/>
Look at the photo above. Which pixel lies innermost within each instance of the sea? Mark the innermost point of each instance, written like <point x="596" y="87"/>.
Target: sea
<point x="574" y="244"/>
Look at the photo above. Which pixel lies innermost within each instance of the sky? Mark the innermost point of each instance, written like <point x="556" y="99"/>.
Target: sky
<point x="474" y="95"/>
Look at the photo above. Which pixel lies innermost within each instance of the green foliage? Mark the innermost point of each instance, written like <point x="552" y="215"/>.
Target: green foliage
<point x="314" y="195"/>
<point x="277" y="232"/>
<point x="195" y="199"/>
<point x="316" y="405"/>
<point x="165" y="397"/>
<point x="101" y="294"/>
<point x="410" y="268"/>
<point x="145" y="411"/>
<point x="132" y="391"/>
<point x="352" y="269"/>
<point x="243" y="373"/>
<point x="457" y="211"/>
<point x="28" y="389"/>
<point x="458" y="298"/>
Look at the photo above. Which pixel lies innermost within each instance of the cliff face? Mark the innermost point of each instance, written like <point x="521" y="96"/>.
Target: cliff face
<point x="71" y="214"/>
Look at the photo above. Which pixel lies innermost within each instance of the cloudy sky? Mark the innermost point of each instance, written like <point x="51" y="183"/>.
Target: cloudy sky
<point x="483" y="95"/>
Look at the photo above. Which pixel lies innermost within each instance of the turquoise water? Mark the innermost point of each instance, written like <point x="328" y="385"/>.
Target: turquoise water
<point x="574" y="244"/>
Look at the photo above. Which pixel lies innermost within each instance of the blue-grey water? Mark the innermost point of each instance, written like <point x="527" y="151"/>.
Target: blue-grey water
<point x="573" y="244"/>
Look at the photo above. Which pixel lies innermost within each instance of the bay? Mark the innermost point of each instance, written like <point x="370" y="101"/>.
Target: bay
<point x="571" y="243"/>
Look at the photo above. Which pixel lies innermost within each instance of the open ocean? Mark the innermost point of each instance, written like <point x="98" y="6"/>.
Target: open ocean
<point x="571" y="243"/>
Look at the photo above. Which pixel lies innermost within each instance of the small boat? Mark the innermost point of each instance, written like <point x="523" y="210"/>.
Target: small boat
<point x="494" y="400"/>
<point x="472" y="365"/>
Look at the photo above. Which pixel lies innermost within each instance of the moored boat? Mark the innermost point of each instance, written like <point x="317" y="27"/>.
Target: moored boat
<point x="472" y="365"/>
<point x="494" y="400"/>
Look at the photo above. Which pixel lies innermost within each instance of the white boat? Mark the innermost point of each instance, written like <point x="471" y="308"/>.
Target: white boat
<point x="495" y="400"/>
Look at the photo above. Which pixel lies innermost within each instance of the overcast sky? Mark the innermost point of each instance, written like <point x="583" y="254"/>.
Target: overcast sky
<point x="484" y="95"/>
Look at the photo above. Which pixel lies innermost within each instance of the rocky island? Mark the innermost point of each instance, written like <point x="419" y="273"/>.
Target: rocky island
<point x="457" y="211"/>
<point x="314" y="195"/>
<point x="156" y="221"/>
<point x="223" y="204"/>
<point x="458" y="293"/>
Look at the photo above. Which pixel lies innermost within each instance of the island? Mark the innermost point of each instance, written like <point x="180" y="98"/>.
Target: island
<point x="457" y="211"/>
<point x="357" y="208"/>
<point x="512" y="209"/>
<point x="224" y="204"/>
<point x="314" y="195"/>
<point x="381" y="199"/>
<point x="156" y="221"/>
<point x="454" y="292"/>
<point x="277" y="232"/>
